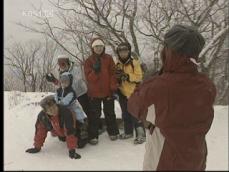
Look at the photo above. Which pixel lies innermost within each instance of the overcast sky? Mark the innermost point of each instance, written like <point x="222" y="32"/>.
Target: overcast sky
<point x="21" y="11"/>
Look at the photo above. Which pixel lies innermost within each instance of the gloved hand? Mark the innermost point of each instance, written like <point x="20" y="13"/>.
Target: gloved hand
<point x="33" y="150"/>
<point x="50" y="77"/>
<point x="63" y="139"/>
<point x="115" y="96"/>
<point x="124" y="77"/>
<point x="97" y="65"/>
<point x="118" y="73"/>
<point x="73" y="154"/>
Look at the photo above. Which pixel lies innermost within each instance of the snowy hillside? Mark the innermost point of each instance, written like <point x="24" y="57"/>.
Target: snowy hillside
<point x="21" y="109"/>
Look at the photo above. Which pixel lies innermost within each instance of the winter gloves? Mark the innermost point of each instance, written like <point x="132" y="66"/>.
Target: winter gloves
<point x="124" y="77"/>
<point x="50" y="77"/>
<point x="73" y="154"/>
<point x="121" y="76"/>
<point x="97" y="65"/>
<point x="33" y="150"/>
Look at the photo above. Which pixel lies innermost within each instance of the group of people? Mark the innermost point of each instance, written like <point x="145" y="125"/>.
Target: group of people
<point x="73" y="113"/>
<point x="173" y="109"/>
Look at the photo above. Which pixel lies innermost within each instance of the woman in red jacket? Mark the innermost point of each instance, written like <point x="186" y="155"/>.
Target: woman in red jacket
<point x="99" y="71"/>
<point x="179" y="105"/>
<point x="60" y="121"/>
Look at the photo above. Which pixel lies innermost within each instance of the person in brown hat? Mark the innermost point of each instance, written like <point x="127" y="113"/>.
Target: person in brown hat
<point x="178" y="105"/>
<point x="56" y="119"/>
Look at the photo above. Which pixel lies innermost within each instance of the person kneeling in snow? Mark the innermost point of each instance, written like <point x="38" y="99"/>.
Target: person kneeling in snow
<point x="66" y="96"/>
<point x="57" y="119"/>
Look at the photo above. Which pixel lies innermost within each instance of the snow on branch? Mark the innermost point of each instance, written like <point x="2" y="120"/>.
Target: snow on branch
<point x="211" y="44"/>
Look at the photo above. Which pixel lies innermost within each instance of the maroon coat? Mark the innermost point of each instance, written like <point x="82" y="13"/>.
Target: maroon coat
<point x="104" y="83"/>
<point x="183" y="100"/>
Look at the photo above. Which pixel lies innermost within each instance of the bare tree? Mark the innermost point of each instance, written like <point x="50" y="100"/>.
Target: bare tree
<point x="30" y="62"/>
<point x="17" y="59"/>
<point x="46" y="64"/>
<point x="143" y="24"/>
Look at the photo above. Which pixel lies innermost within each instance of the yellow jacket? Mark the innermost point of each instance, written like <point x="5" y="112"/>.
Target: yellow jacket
<point x="133" y="69"/>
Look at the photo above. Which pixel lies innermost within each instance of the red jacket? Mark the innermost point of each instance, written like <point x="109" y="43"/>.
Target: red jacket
<point x="183" y="99"/>
<point x="104" y="83"/>
<point x="61" y="124"/>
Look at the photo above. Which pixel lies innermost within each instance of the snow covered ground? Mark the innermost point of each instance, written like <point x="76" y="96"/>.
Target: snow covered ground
<point x="20" y="112"/>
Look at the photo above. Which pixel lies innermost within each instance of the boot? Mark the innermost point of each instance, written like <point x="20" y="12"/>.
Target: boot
<point x="140" y="136"/>
<point x="93" y="141"/>
<point x="113" y="137"/>
<point x="125" y="136"/>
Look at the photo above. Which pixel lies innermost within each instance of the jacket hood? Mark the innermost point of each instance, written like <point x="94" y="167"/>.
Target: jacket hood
<point x="121" y="46"/>
<point x="174" y="62"/>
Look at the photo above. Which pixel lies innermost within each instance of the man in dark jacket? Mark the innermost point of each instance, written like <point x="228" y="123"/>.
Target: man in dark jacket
<point x="99" y="71"/>
<point x="179" y="105"/>
<point x="58" y="120"/>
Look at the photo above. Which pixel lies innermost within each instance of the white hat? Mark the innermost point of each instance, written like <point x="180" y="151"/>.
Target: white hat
<point x="97" y="42"/>
<point x="62" y="56"/>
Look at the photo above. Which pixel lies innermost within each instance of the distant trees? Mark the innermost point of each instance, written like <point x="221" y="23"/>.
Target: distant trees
<point x="28" y="63"/>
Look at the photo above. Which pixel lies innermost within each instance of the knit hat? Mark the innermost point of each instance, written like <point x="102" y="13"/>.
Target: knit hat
<point x="66" y="76"/>
<point x="63" y="59"/>
<point x="123" y="46"/>
<point x="47" y="101"/>
<point x="97" y="42"/>
<point x="185" y="40"/>
<point x="62" y="56"/>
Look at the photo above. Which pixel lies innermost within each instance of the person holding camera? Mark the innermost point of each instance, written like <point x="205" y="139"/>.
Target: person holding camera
<point x="129" y="75"/>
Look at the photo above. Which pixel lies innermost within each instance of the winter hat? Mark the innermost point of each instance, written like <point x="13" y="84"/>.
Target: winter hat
<point x="185" y="40"/>
<point x="62" y="56"/>
<point x="47" y="101"/>
<point x="62" y="59"/>
<point x="123" y="46"/>
<point x="97" y="42"/>
<point x="66" y="76"/>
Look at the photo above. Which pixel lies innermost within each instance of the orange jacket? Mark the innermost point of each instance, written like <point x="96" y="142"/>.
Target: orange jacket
<point x="62" y="125"/>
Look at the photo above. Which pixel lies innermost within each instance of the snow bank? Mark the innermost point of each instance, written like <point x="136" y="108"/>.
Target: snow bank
<point x="20" y="112"/>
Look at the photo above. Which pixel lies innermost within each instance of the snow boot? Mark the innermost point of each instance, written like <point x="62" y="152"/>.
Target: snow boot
<point x="125" y="136"/>
<point x="93" y="141"/>
<point x="140" y="136"/>
<point x="114" y="137"/>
